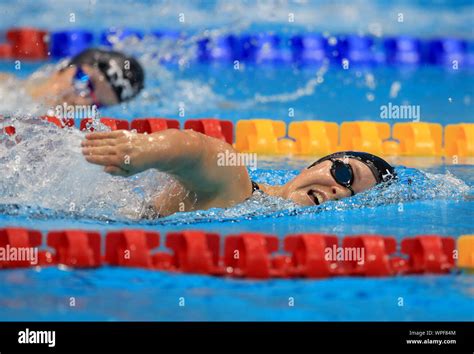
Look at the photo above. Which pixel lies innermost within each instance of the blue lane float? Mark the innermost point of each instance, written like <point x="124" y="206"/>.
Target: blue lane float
<point x="221" y="48"/>
<point x="309" y="48"/>
<point x="447" y="51"/>
<point x="272" y="48"/>
<point x="356" y="49"/>
<point x="69" y="43"/>
<point x="403" y="50"/>
<point x="167" y="34"/>
<point x="269" y="48"/>
<point x="244" y="47"/>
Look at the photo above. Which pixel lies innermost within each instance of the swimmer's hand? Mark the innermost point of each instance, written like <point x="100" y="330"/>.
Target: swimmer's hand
<point x="121" y="152"/>
<point x="124" y="153"/>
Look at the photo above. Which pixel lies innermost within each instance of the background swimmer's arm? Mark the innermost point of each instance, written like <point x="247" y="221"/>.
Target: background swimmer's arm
<point x="189" y="156"/>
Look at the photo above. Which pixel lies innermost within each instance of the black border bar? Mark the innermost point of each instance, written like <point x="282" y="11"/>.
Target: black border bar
<point x="290" y="337"/>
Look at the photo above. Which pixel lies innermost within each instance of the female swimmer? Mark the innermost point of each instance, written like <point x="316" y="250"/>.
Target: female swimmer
<point x="192" y="159"/>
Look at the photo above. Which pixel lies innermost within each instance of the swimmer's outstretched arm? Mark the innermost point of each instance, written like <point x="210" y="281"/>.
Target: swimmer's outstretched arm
<point x="189" y="156"/>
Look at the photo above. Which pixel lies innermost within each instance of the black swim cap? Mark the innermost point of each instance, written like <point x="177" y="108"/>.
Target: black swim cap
<point x="123" y="73"/>
<point x="381" y="169"/>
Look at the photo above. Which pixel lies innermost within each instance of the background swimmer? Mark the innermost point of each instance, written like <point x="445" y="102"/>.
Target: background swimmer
<point x="192" y="159"/>
<point x="93" y="77"/>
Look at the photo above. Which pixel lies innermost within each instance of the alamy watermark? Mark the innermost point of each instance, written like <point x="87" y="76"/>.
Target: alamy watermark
<point x="230" y="158"/>
<point x="15" y="254"/>
<point x="394" y="111"/>
<point x="29" y="336"/>
<point x="345" y="254"/>
<point x="76" y="111"/>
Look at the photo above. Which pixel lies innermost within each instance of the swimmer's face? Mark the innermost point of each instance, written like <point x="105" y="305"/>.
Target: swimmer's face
<point x="63" y="89"/>
<point x="316" y="185"/>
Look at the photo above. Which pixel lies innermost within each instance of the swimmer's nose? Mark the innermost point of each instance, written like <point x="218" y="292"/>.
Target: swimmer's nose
<point x="339" y="192"/>
<point x="326" y="181"/>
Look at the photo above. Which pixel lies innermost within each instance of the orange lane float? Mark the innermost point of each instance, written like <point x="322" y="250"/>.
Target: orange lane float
<point x="459" y="140"/>
<point x="465" y="247"/>
<point x="264" y="136"/>
<point x="372" y="137"/>
<point x="314" y="137"/>
<point x="419" y="139"/>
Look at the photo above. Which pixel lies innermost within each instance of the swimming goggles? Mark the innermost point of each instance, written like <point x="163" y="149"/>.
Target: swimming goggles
<point x="83" y="86"/>
<point x="341" y="172"/>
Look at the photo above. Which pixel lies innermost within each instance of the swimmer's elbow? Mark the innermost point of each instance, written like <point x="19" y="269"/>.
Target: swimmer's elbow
<point x="191" y="143"/>
<point x="179" y="149"/>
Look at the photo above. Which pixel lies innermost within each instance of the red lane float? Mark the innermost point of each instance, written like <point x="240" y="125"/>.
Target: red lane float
<point x="195" y="252"/>
<point x="163" y="261"/>
<point x="248" y="255"/>
<point x="28" y="43"/>
<point x="375" y="260"/>
<point x="131" y="248"/>
<point x="5" y="51"/>
<point x="429" y="254"/>
<point x="76" y="248"/>
<point x="9" y="130"/>
<point x="219" y="129"/>
<point x="59" y="122"/>
<point x="113" y="124"/>
<point x="308" y="255"/>
<point x="151" y="125"/>
<point x="18" y="239"/>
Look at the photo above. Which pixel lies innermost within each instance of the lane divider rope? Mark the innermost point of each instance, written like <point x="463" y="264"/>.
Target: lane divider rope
<point x="245" y="255"/>
<point x="344" y="50"/>
<point x="315" y="138"/>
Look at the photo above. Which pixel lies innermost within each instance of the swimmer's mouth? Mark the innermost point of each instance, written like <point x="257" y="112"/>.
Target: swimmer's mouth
<point x="315" y="197"/>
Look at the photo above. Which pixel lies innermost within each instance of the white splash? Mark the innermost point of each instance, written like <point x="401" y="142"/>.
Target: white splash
<point x="44" y="168"/>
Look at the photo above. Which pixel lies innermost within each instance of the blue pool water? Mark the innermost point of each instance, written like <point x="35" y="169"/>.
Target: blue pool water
<point x="51" y="174"/>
